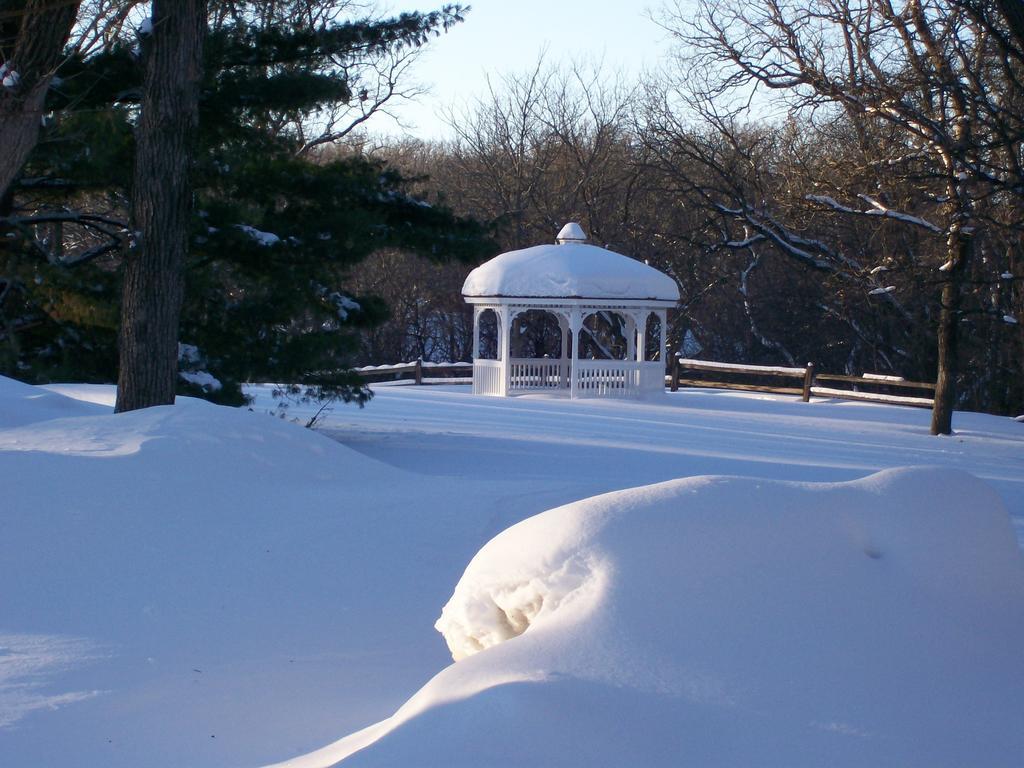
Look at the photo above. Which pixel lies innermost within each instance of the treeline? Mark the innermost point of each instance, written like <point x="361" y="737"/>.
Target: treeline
<point x="856" y="199"/>
<point x="837" y="181"/>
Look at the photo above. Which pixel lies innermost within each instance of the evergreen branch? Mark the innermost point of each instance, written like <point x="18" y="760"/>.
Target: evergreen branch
<point x="239" y="46"/>
<point x="46" y="182"/>
<point x="74" y="217"/>
<point x="112" y="229"/>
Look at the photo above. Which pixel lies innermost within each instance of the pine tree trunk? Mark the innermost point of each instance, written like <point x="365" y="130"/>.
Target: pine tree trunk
<point x="39" y="29"/>
<point x="948" y="336"/>
<point x="161" y="204"/>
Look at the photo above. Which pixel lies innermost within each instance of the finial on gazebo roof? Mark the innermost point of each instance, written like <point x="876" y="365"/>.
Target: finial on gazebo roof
<point x="571" y="233"/>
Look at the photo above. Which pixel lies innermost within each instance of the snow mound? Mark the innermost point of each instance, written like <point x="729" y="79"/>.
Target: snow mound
<point x="495" y="606"/>
<point x="718" y="621"/>
<point x="203" y="443"/>
<point x="22" y="404"/>
<point x="569" y="269"/>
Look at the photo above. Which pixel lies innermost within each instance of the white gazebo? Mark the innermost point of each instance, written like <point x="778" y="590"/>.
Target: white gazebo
<point x="610" y="310"/>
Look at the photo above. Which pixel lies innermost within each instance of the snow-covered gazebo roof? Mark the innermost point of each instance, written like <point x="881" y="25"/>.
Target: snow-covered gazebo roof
<point x="569" y="269"/>
<point x="572" y="282"/>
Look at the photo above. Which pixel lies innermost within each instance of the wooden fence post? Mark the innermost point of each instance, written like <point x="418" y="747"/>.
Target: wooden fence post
<point x="808" y="382"/>
<point x="675" y="373"/>
<point x="417" y="371"/>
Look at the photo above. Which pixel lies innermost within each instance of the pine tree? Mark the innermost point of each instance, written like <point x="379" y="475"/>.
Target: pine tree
<point x="281" y="214"/>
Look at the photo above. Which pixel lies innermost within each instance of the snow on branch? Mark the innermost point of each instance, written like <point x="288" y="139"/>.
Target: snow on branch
<point x="881" y="210"/>
<point x="831" y="202"/>
<point x="746" y="242"/>
<point x="804" y="249"/>
<point x="768" y="233"/>
<point x="877" y="209"/>
<point x="263" y="238"/>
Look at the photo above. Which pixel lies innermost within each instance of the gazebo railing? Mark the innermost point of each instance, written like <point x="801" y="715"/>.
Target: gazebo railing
<point x="594" y="378"/>
<point x="652" y="376"/>
<point x="606" y="378"/>
<point x="621" y="378"/>
<point x="538" y="374"/>
<point x="487" y="377"/>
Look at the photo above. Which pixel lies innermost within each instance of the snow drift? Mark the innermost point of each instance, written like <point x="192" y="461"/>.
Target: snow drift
<point x="724" y="621"/>
<point x="22" y="404"/>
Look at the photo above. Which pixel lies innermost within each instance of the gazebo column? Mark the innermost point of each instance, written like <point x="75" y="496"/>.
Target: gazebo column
<point x="478" y="374"/>
<point x="505" y="346"/>
<point x="640" y="327"/>
<point x="575" y="324"/>
<point x="662" y="350"/>
<point x="630" y="336"/>
<point x="476" y="331"/>
<point x="563" y="360"/>
<point x="637" y="350"/>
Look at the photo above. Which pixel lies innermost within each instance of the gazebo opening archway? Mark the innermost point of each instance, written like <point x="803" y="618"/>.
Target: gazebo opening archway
<point x="603" y="336"/>
<point x="538" y="334"/>
<point x="486" y="330"/>
<point x="652" y="338"/>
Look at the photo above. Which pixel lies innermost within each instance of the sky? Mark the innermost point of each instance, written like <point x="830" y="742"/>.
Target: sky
<point x="502" y="37"/>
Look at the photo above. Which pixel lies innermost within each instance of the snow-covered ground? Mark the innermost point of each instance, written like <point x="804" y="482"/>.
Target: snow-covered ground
<point x="207" y="587"/>
<point x="725" y="621"/>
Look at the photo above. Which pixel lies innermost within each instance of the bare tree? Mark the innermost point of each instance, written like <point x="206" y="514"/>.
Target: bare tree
<point x="501" y="156"/>
<point x="427" y="317"/>
<point x="923" y="67"/>
<point x="547" y="146"/>
<point x="739" y="220"/>
<point x="102" y="23"/>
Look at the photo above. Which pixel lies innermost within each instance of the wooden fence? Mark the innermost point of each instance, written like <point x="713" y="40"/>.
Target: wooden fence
<point x="804" y="381"/>
<point x="418" y="371"/>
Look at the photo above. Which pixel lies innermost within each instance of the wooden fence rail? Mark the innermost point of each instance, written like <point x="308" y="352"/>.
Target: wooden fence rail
<point x="797" y="381"/>
<point x="418" y="369"/>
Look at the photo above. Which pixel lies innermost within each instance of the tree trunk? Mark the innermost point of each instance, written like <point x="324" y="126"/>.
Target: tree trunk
<point x="39" y="29"/>
<point x="948" y="335"/>
<point x="161" y="204"/>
